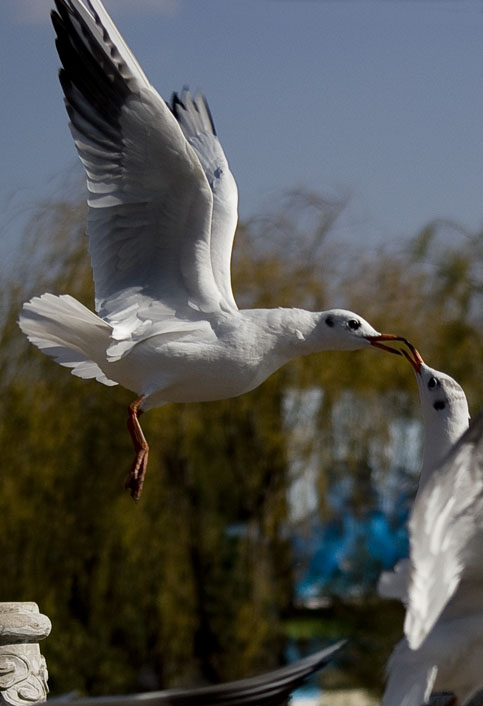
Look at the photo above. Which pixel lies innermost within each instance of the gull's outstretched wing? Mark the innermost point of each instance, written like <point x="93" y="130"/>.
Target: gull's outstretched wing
<point x="150" y="203"/>
<point x="194" y="117"/>
<point x="446" y="532"/>
<point x="269" y="689"/>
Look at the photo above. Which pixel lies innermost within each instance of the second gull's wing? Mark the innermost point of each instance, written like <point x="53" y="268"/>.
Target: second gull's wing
<point x="410" y="677"/>
<point x="446" y="532"/>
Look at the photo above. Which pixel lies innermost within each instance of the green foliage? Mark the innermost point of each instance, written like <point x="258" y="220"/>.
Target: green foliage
<point x="191" y="584"/>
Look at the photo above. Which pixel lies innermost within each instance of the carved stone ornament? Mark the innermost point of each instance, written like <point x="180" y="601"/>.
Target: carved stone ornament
<point x="23" y="670"/>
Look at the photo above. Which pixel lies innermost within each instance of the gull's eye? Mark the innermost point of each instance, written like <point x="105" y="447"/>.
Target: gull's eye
<point x="353" y="324"/>
<point x="439" y="404"/>
<point x="329" y="321"/>
<point x="432" y="383"/>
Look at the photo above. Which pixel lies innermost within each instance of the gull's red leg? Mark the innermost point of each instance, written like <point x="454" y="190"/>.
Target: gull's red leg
<point x="138" y="469"/>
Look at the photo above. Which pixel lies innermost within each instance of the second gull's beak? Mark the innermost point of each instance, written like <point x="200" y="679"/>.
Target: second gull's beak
<point x="414" y="357"/>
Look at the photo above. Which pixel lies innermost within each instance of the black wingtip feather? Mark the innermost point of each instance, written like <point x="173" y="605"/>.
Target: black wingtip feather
<point x="210" y="116"/>
<point x="90" y="69"/>
<point x="177" y="103"/>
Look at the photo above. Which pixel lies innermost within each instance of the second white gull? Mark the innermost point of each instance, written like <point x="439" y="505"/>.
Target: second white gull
<point x="441" y="583"/>
<point x="161" y="222"/>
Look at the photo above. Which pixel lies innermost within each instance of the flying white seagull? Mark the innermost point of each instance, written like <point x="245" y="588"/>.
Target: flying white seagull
<point x="442" y="582"/>
<point x="162" y="217"/>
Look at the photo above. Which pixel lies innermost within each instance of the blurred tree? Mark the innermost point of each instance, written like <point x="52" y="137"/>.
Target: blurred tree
<point x="191" y="584"/>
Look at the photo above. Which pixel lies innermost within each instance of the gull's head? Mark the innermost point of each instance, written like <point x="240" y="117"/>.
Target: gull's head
<point x="443" y="405"/>
<point x="441" y="396"/>
<point x="345" y="331"/>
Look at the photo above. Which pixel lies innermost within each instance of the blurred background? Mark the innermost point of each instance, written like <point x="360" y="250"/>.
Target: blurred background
<point x="265" y="520"/>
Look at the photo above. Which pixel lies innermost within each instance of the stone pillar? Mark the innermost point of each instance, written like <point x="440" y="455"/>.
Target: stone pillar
<point x="23" y="670"/>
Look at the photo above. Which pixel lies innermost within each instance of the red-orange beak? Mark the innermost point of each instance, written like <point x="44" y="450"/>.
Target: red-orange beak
<point x="376" y="341"/>
<point x="414" y="357"/>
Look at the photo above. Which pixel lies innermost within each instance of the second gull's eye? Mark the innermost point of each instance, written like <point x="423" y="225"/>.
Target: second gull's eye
<point x="354" y="324"/>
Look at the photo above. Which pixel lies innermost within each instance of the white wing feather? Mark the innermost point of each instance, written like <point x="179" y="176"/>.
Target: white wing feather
<point x="194" y="117"/>
<point x="446" y="531"/>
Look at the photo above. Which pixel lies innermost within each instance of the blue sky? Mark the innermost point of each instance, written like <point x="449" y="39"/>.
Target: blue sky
<point x="381" y="101"/>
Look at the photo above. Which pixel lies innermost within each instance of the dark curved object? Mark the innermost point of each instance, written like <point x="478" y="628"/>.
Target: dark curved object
<point x="269" y="689"/>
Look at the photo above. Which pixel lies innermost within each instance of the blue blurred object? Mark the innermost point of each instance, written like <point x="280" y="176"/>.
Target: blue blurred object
<point x="345" y="555"/>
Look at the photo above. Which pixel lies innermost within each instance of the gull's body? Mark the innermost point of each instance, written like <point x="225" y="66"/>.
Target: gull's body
<point x="218" y="356"/>
<point x="442" y="582"/>
<point x="162" y="217"/>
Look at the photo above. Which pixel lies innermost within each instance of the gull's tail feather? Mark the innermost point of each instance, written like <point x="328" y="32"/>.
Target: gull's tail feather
<point x="65" y="329"/>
